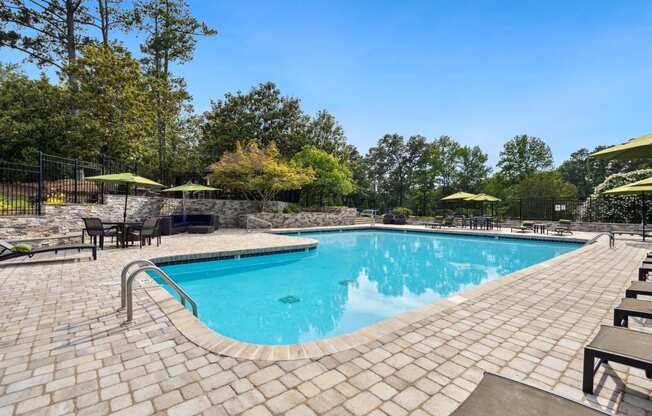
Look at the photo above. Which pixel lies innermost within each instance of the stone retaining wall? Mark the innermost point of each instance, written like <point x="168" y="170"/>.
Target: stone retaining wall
<point x="66" y="219"/>
<point x="341" y="216"/>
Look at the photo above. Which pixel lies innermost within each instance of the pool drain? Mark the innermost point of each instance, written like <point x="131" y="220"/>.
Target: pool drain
<point x="289" y="299"/>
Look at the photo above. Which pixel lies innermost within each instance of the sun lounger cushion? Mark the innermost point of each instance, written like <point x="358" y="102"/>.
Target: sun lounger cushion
<point x="500" y="396"/>
<point x="22" y="248"/>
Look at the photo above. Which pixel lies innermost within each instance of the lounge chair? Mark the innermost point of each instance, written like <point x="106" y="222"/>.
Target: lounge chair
<point x="632" y="307"/>
<point x="638" y="288"/>
<point x="449" y="222"/>
<point x="500" y="396"/>
<point x="524" y="227"/>
<point x="563" y="227"/>
<point x="9" y="251"/>
<point x="620" y="345"/>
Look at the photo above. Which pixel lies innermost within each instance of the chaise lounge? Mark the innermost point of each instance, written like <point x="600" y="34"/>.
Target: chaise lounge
<point x="9" y="251"/>
<point x="620" y="345"/>
<point x="499" y="396"/>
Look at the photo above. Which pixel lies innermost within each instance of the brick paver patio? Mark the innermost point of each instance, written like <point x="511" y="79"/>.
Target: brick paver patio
<point x="64" y="350"/>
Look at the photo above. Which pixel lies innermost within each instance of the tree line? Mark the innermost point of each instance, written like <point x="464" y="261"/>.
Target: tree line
<point x="129" y="105"/>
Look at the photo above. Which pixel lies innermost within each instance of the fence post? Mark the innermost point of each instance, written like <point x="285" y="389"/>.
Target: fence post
<point x="39" y="193"/>
<point x="520" y="209"/>
<point x="102" y="172"/>
<point x="75" y="198"/>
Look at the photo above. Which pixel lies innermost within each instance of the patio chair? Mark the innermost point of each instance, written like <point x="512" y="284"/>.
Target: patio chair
<point x="498" y="396"/>
<point x="96" y="229"/>
<point x="449" y="222"/>
<point x="563" y="227"/>
<point x="620" y="345"/>
<point x="10" y="251"/>
<point x="145" y="233"/>
<point x="524" y="227"/>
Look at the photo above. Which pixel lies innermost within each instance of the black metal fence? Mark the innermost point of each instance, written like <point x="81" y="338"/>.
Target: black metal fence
<point x="24" y="187"/>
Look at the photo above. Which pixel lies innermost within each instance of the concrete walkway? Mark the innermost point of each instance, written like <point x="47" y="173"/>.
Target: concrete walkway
<point x="64" y="350"/>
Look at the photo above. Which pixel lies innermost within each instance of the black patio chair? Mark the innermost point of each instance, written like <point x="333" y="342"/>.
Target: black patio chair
<point x="146" y="232"/>
<point x="96" y="229"/>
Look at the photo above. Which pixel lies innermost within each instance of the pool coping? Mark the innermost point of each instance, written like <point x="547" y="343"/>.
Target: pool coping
<point x="201" y="335"/>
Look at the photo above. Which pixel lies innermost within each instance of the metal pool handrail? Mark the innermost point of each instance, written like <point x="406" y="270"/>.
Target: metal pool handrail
<point x="130" y="280"/>
<point x="123" y="279"/>
<point x="612" y="239"/>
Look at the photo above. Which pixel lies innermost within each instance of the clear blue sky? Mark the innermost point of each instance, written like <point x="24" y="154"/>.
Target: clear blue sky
<point x="576" y="73"/>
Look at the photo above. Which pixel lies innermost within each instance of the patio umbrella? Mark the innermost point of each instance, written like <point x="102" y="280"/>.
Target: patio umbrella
<point x="458" y="196"/>
<point x="189" y="187"/>
<point x="634" y="189"/>
<point x="639" y="148"/>
<point x="483" y="198"/>
<point x="127" y="179"/>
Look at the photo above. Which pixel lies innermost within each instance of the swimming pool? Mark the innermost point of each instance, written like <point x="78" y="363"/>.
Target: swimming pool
<point x="351" y="280"/>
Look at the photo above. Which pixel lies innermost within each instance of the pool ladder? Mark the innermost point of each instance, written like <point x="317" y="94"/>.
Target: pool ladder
<point x="127" y="280"/>
<point x="612" y="239"/>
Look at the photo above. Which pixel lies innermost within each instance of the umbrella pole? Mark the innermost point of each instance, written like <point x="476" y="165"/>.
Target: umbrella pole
<point x="124" y="216"/>
<point x="644" y="215"/>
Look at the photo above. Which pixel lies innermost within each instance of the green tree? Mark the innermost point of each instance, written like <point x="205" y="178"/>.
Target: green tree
<point x="523" y="156"/>
<point x="325" y="133"/>
<point x="262" y="113"/>
<point x="257" y="171"/>
<point x="171" y="38"/>
<point x="116" y="112"/>
<point x="545" y="185"/>
<point x="33" y="116"/>
<point x="332" y="177"/>
<point x="473" y="169"/>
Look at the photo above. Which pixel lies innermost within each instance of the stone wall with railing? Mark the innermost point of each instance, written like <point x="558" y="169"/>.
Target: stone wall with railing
<point x="336" y="216"/>
<point x="66" y="219"/>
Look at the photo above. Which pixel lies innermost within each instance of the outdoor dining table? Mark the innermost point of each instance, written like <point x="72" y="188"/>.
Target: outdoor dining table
<point x="123" y="229"/>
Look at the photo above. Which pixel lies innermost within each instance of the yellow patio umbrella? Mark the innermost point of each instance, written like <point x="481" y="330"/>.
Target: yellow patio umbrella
<point x="482" y="198"/>
<point x="638" y="148"/>
<point x="631" y="189"/>
<point x="189" y="187"/>
<point x="458" y="196"/>
<point x="127" y="179"/>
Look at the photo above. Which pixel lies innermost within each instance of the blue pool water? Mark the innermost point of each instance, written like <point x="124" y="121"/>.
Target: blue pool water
<point x="351" y="280"/>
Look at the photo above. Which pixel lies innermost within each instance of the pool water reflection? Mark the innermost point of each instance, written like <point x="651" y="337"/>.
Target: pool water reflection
<point x="352" y="279"/>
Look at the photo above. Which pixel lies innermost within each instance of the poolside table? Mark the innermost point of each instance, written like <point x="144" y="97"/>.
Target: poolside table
<point x="123" y="229"/>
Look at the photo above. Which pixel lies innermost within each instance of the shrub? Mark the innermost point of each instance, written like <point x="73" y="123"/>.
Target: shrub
<point x="56" y="198"/>
<point x="402" y="211"/>
<point x="292" y="209"/>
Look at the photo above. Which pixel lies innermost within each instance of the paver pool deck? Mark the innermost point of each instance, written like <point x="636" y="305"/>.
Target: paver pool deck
<point x="64" y="348"/>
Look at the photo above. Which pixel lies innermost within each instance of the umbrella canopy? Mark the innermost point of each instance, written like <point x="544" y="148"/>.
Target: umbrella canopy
<point x="458" y="196"/>
<point x="639" y="148"/>
<point x="127" y="179"/>
<point x="630" y="189"/>
<point x="190" y="187"/>
<point x="483" y="198"/>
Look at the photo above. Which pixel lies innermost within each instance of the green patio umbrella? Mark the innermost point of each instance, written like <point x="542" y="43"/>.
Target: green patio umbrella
<point x="634" y="188"/>
<point x="483" y="198"/>
<point x="127" y="179"/>
<point x="458" y="196"/>
<point x="189" y="187"/>
<point x="639" y="148"/>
